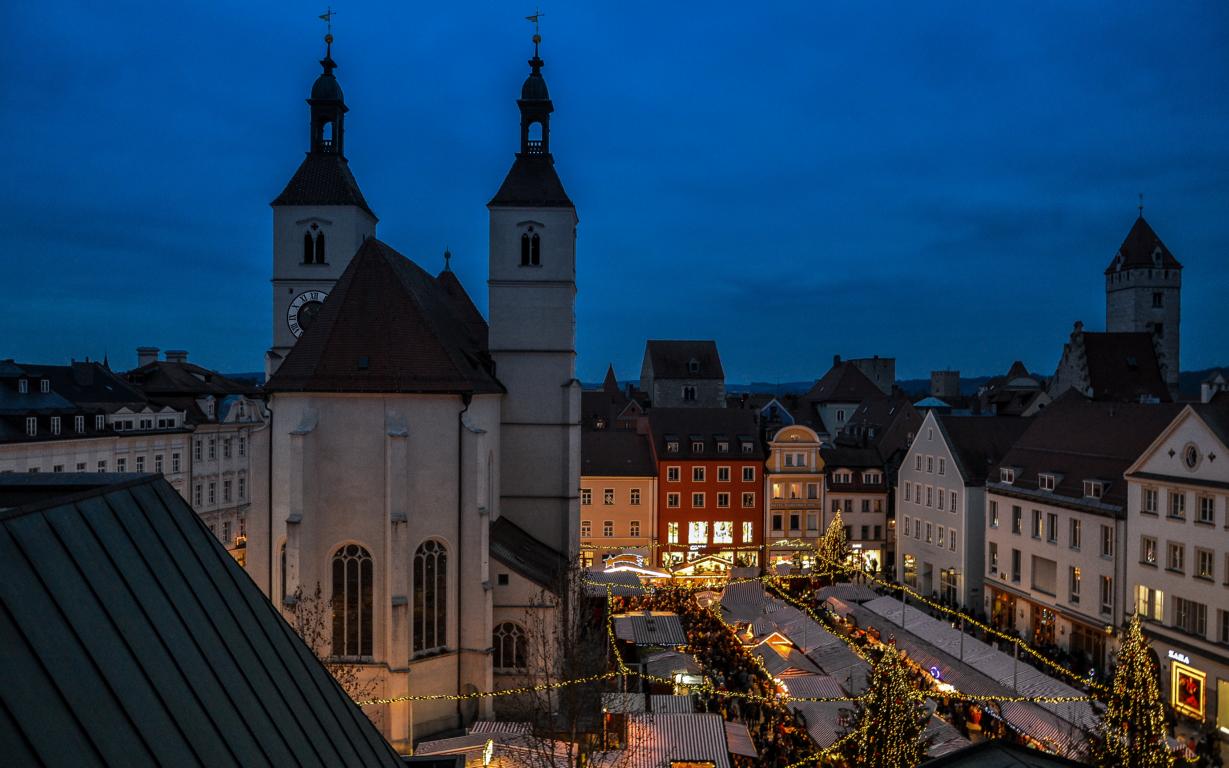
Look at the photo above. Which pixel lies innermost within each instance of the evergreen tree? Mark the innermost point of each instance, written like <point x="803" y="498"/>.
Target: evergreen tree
<point x="833" y="549"/>
<point x="890" y="718"/>
<point x="1132" y="733"/>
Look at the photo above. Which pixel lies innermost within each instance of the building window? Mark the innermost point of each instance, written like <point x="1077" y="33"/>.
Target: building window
<point x="917" y="462"/>
<point x="929" y="495"/>
<point x="748" y="500"/>
<point x="213" y="493"/>
<point x="586" y="496"/>
<point x="353" y="601"/>
<point x="866" y="505"/>
<point x="929" y="532"/>
<point x="1150" y="603"/>
<point x="243" y="488"/>
<point x="196" y="492"/>
<point x="1017" y="518"/>
<point x="673" y="500"/>
<point x="158" y="463"/>
<point x="175" y="462"/>
<point x="1147" y="551"/>
<point x="121" y="464"/>
<point x="994" y="559"/>
<point x="994" y="514"/>
<point x="213" y="448"/>
<point x="55" y="425"/>
<point x="723" y="446"/>
<point x="430" y="596"/>
<point x="1158" y="299"/>
<point x="1075" y="585"/>
<point x="748" y="531"/>
<point x="1190" y="616"/>
<point x="1052" y="527"/>
<point x="243" y="445"/>
<point x="940" y="540"/>
<point x="102" y="465"/>
<point x="1177" y="504"/>
<point x="723" y="500"/>
<point x="1203" y="564"/>
<point x="1222" y="634"/>
<point x="23" y="386"/>
<point x="226" y="486"/>
<point x="723" y="532"/>
<point x="608" y="528"/>
<point x="941" y="498"/>
<point x="100" y="422"/>
<point x="1207" y="509"/>
<point x="689" y="394"/>
<point x="697" y="446"/>
<point x="673" y="474"/>
<point x="80" y="466"/>
<point x="1015" y="565"/>
<point x="1150" y="501"/>
<point x="777" y="522"/>
<point x="226" y="532"/>
<point x="748" y="474"/>
<point x="1175" y="557"/>
<point x="697" y="500"/>
<point x="1107" y="594"/>
<point x="508" y="642"/>
<point x="942" y="465"/>
<point x="672" y="533"/>
<point x="1075" y="534"/>
<point x="908" y="526"/>
<point x="196" y="449"/>
<point x="586" y="529"/>
<point x="1045" y="482"/>
<point x="723" y="474"/>
<point x="31" y="426"/>
<point x="633" y="528"/>
<point x="226" y="447"/>
<point x="1107" y="541"/>
<point x="697" y="532"/>
<point x="44" y="386"/>
<point x="633" y="497"/>
<point x="608" y="497"/>
<point x="697" y="474"/>
<point x="1007" y="475"/>
<point x="1094" y="489"/>
<point x="1037" y="525"/>
<point x="908" y="491"/>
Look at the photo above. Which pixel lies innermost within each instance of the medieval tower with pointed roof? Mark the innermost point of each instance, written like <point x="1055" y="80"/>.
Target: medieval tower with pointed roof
<point x="1143" y="293"/>
<point x="423" y="463"/>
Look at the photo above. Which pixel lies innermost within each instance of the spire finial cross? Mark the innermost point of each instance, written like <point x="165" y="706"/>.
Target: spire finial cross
<point x="537" y="37"/>
<point x="327" y="18"/>
<point x="1141" y="205"/>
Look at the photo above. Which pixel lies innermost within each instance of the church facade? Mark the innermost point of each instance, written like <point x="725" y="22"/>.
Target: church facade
<point x="423" y="464"/>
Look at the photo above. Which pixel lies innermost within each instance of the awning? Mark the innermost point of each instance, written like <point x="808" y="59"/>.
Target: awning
<point x="738" y="740"/>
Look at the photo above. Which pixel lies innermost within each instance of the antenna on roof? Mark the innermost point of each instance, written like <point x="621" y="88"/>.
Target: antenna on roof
<point x="447" y="260"/>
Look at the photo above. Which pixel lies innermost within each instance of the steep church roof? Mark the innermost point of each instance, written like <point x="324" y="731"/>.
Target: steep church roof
<point x="532" y="183"/>
<point x="323" y="179"/>
<point x="671" y="359"/>
<point x="1124" y="367"/>
<point x="843" y="383"/>
<point x="388" y="326"/>
<point x="1142" y="248"/>
<point x="132" y="637"/>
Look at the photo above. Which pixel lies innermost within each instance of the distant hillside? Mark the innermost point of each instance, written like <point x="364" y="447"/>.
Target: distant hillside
<point x="1188" y="385"/>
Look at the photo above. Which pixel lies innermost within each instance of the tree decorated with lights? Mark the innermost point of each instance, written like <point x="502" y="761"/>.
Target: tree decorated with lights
<point x="833" y="549"/>
<point x="1132" y="732"/>
<point x="889" y="719"/>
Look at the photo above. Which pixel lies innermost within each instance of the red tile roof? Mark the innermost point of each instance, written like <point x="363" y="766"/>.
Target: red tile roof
<point x="388" y="326"/>
<point x="1139" y="248"/>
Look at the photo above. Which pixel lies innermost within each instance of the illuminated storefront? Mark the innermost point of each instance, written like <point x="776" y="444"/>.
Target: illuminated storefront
<point x="1186" y="686"/>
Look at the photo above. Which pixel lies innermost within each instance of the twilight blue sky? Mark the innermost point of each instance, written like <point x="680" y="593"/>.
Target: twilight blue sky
<point x="941" y="182"/>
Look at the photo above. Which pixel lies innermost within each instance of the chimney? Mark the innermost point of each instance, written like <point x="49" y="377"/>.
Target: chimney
<point x="177" y="355"/>
<point x="146" y="355"/>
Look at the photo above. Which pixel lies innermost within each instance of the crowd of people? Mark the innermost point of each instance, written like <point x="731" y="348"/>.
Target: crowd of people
<point x="778" y="732"/>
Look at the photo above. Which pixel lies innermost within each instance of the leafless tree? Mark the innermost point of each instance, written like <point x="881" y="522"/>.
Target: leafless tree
<point x="311" y="615"/>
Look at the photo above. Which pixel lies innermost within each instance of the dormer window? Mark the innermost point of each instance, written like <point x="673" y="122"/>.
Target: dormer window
<point x="100" y="422"/>
<point x="723" y="446"/>
<point x="697" y="446"/>
<point x="840" y="416"/>
<point x="748" y="447"/>
<point x="843" y="477"/>
<point x="872" y="478"/>
<point x="31" y="426"/>
<point x="23" y="386"/>
<point x="44" y="386"/>
<point x="1094" y="489"/>
<point x="672" y="446"/>
<point x="693" y="366"/>
<point x="1045" y="481"/>
<point x="1007" y="475"/>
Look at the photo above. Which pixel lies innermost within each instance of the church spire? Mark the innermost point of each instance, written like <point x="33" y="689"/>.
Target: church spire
<point x="328" y="107"/>
<point x="535" y="104"/>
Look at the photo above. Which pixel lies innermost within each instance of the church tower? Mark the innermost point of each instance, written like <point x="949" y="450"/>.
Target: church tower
<point x="1143" y="293"/>
<point x="319" y="220"/>
<point x="532" y="296"/>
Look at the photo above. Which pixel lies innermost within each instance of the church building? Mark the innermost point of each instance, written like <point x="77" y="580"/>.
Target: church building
<point x="424" y="463"/>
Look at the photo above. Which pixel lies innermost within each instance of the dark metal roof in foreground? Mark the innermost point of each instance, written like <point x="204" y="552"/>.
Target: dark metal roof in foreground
<point x="132" y="638"/>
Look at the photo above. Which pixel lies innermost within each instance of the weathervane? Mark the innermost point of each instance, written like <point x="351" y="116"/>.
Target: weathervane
<point x="327" y="18"/>
<point x="537" y="37"/>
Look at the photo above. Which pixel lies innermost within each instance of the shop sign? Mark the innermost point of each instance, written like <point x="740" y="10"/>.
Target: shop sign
<point x="935" y="673"/>
<point x="1182" y="657"/>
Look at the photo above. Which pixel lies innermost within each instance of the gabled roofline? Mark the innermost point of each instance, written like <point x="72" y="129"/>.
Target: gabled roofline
<point x="1155" y="445"/>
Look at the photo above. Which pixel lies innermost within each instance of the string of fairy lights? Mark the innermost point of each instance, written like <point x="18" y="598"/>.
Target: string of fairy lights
<point x="622" y="670"/>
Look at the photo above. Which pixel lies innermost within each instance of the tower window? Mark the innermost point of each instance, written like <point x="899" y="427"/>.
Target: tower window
<point x="534" y="139"/>
<point x="352" y="601"/>
<point x="430" y="596"/>
<point x="307" y="248"/>
<point x="535" y="250"/>
<point x="1158" y="330"/>
<point x="1158" y="299"/>
<point x="320" y="248"/>
<point x="525" y="250"/>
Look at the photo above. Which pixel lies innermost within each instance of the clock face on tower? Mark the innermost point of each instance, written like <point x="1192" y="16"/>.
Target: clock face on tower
<point x="303" y="310"/>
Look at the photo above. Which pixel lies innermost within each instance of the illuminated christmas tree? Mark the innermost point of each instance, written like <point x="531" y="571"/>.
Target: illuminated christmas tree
<point x="1132" y="733"/>
<point x="833" y="548"/>
<point x="890" y="718"/>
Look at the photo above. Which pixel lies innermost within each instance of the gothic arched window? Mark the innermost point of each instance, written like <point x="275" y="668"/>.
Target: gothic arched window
<point x="508" y="642"/>
<point x="352" y="601"/>
<point x="430" y="596"/>
<point x="320" y="248"/>
<point x="307" y="248"/>
<point x="535" y="250"/>
<point x="525" y="249"/>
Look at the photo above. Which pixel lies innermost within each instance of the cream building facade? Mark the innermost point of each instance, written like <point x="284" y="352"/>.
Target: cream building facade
<point x="794" y="497"/>
<point x="1177" y="557"/>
